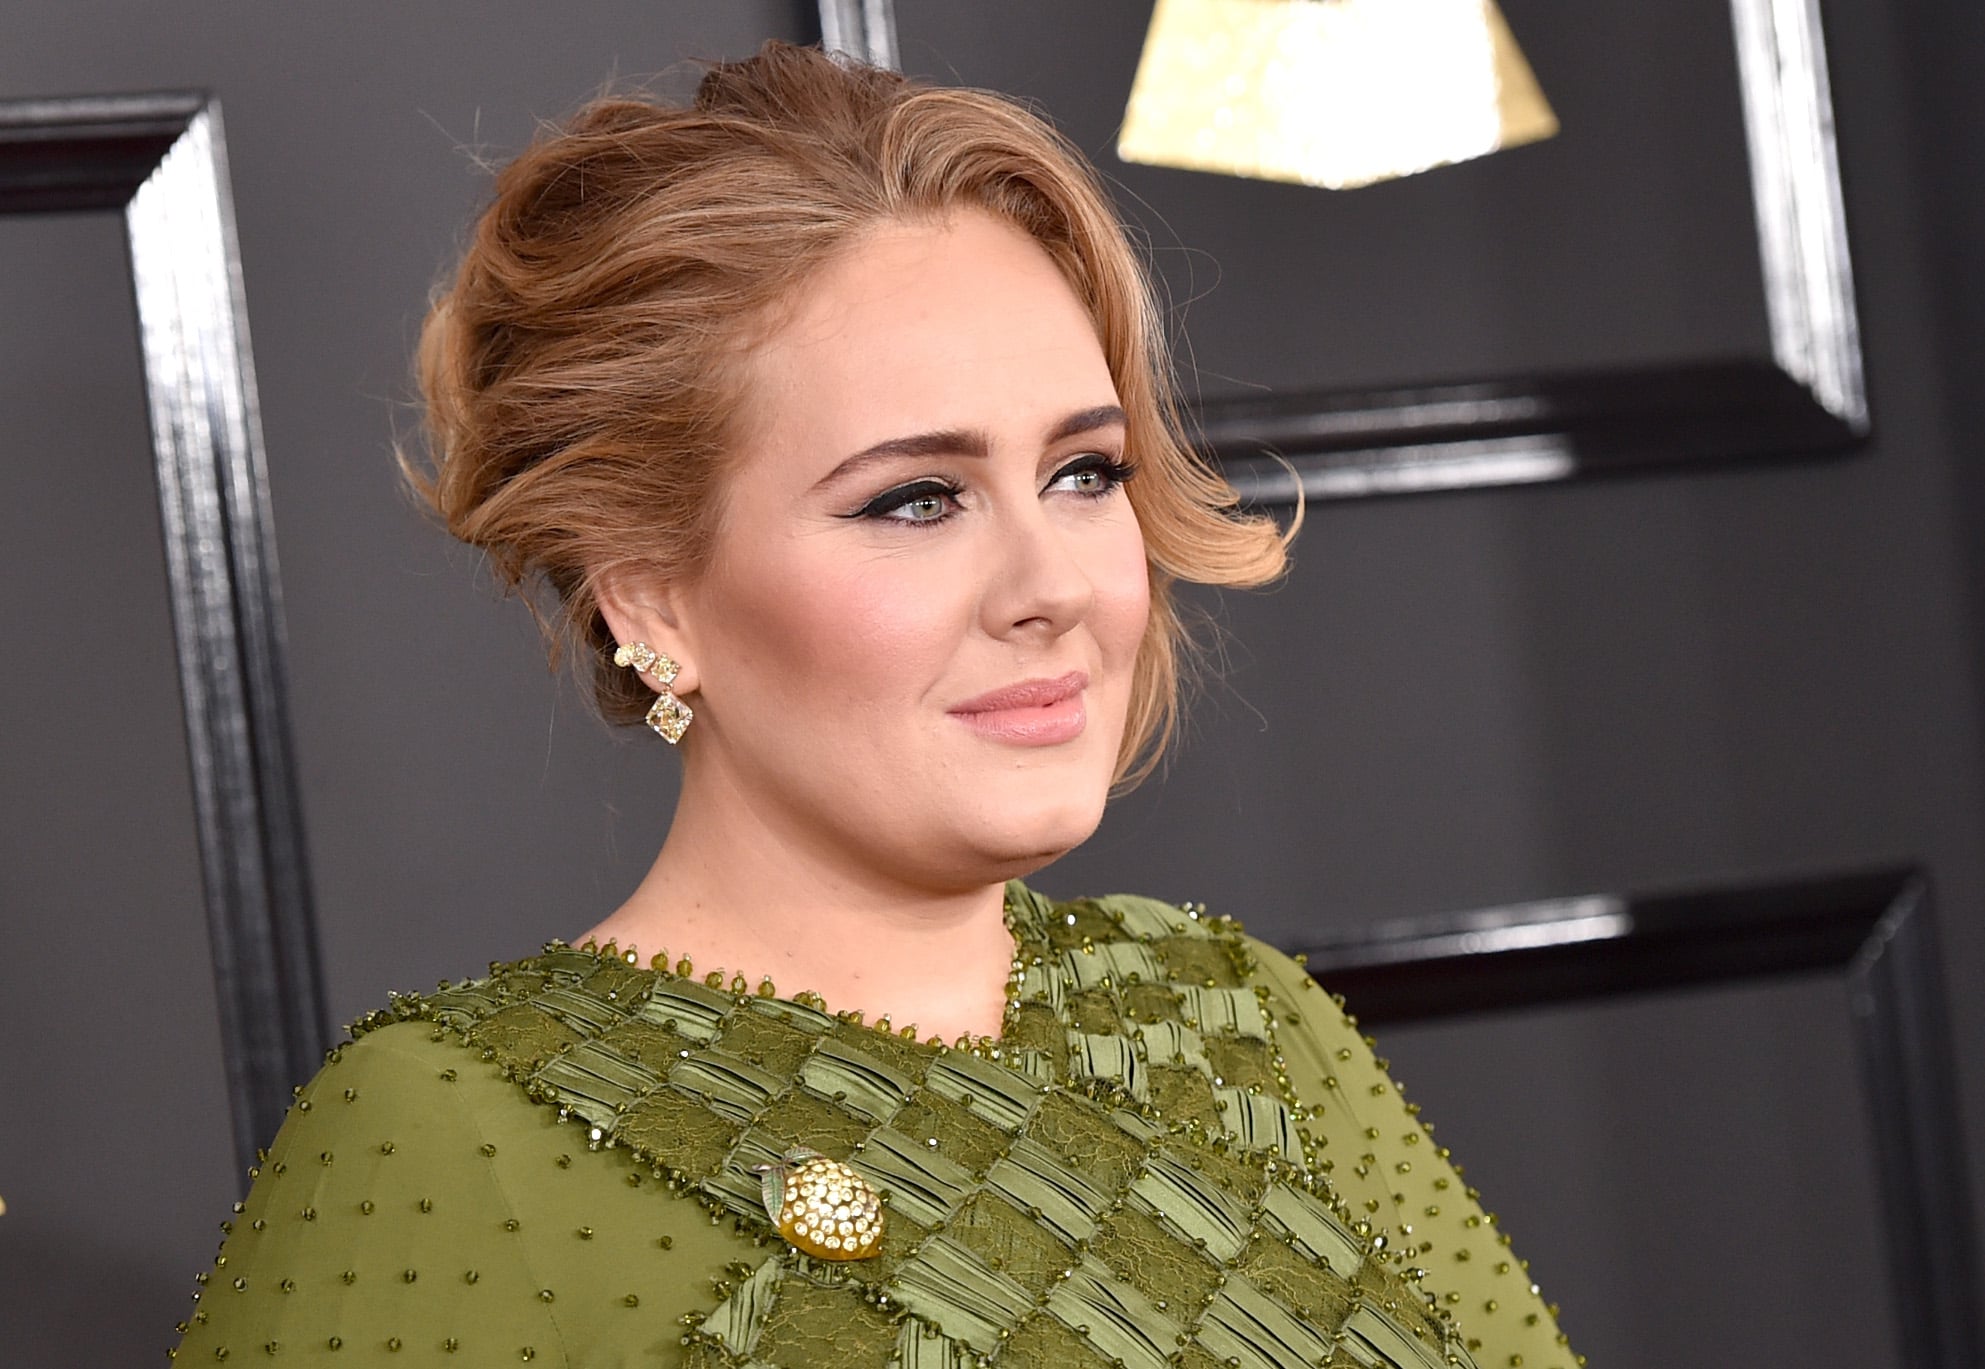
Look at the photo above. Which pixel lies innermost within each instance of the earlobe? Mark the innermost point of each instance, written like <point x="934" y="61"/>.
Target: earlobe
<point x="670" y="716"/>
<point x="640" y="610"/>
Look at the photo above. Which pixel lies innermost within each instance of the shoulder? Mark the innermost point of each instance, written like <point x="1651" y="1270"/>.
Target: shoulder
<point x="418" y="1195"/>
<point x="404" y="1100"/>
<point x="1196" y="946"/>
<point x="1139" y="917"/>
<point x="401" y="1054"/>
<point x="360" y="1227"/>
<point x="1372" y="1146"/>
<point x="409" y="1077"/>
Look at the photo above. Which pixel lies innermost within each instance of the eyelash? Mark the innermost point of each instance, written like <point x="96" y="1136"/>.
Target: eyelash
<point x="880" y="508"/>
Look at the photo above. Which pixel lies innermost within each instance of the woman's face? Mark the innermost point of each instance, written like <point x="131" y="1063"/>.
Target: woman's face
<point x="911" y="652"/>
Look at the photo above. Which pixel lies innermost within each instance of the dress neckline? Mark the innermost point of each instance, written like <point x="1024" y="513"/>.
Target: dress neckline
<point x="1026" y="914"/>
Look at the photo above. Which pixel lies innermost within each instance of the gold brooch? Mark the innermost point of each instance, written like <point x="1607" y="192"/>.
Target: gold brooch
<point x="821" y="1206"/>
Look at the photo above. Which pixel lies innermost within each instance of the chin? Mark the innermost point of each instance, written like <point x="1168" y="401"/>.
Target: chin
<point x="1021" y="838"/>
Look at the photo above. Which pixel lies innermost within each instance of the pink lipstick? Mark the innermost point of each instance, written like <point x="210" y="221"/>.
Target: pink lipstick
<point x="1032" y="713"/>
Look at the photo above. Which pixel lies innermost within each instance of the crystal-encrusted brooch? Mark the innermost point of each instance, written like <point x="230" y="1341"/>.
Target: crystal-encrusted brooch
<point x="821" y="1206"/>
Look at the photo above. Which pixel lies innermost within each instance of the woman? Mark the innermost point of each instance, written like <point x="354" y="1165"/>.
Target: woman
<point x="833" y="409"/>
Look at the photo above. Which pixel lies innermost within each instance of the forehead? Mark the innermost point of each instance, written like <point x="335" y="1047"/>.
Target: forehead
<point x="961" y="322"/>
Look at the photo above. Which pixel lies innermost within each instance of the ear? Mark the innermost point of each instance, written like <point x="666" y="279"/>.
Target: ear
<point x="640" y="609"/>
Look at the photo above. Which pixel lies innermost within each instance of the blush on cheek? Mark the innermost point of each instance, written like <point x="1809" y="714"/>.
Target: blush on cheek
<point x="894" y="620"/>
<point x="864" y="632"/>
<point x="1123" y="600"/>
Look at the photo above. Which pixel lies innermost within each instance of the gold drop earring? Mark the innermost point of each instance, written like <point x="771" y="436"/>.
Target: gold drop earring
<point x="670" y="716"/>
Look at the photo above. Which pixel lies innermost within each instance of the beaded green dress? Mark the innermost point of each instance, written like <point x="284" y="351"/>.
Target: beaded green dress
<point x="1178" y="1152"/>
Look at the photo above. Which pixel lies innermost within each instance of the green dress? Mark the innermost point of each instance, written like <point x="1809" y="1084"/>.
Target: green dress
<point x="1179" y="1151"/>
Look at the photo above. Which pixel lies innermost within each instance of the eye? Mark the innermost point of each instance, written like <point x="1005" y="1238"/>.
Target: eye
<point x="1093" y="475"/>
<point x="920" y="501"/>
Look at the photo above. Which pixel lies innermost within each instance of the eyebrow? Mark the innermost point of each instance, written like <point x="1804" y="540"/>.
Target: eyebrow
<point x="974" y="441"/>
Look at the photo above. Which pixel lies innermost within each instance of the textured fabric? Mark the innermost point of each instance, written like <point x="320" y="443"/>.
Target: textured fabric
<point x="1178" y="1152"/>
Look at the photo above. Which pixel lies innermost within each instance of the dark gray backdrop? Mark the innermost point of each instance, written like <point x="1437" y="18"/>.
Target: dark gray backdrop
<point x="1455" y="700"/>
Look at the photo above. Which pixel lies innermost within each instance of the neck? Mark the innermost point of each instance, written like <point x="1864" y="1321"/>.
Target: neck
<point x="741" y="897"/>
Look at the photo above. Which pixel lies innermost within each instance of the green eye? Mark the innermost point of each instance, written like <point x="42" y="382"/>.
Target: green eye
<point x="1093" y="476"/>
<point x="922" y="501"/>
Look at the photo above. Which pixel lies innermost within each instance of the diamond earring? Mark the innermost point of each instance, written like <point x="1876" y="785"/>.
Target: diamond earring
<point x="670" y="716"/>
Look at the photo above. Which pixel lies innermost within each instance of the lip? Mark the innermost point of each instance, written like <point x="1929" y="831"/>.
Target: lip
<point x="1041" y="712"/>
<point x="1027" y="694"/>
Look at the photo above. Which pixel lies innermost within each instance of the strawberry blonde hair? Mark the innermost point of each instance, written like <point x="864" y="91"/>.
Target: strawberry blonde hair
<point x="581" y="368"/>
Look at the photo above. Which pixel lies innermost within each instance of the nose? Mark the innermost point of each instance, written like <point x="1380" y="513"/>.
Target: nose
<point x="1038" y="583"/>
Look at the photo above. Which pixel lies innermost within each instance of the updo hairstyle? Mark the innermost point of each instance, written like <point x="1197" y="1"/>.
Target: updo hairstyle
<point x="581" y="371"/>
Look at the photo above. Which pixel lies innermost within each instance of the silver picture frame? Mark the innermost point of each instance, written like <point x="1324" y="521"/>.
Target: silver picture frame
<point x="161" y="161"/>
<point x="1874" y="928"/>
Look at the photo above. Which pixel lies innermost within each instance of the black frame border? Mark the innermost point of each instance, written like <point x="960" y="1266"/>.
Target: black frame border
<point x="1876" y="928"/>
<point x="1807" y="399"/>
<point x="161" y="160"/>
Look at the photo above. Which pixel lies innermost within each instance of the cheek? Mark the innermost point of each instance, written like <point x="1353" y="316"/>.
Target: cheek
<point x="875" y="627"/>
<point x="1123" y="598"/>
